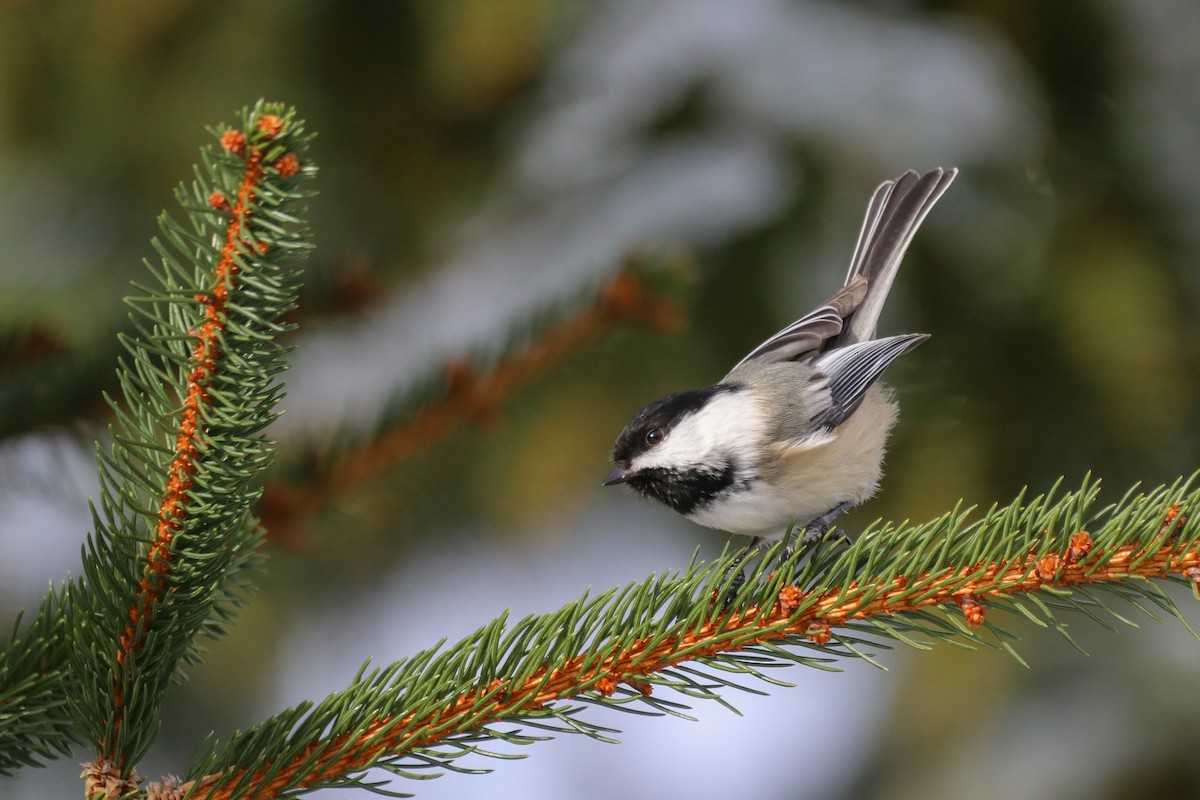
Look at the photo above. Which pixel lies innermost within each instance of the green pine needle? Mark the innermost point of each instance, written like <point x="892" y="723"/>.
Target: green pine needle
<point x="1031" y="560"/>
<point x="173" y="533"/>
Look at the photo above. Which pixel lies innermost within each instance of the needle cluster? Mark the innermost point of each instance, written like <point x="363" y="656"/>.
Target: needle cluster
<point x="654" y="647"/>
<point x="173" y="528"/>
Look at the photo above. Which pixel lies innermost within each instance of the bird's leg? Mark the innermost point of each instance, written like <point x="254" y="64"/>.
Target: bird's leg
<point x="815" y="531"/>
<point x="736" y="566"/>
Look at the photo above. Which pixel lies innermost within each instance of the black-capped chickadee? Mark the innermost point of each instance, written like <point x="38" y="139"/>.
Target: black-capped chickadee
<point x="795" y="433"/>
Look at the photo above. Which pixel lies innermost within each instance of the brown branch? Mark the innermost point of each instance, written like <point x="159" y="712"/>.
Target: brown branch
<point x="173" y="507"/>
<point x="347" y="754"/>
<point x="469" y="396"/>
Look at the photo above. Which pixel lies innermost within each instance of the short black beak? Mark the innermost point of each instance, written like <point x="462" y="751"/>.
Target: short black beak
<point x="618" y="475"/>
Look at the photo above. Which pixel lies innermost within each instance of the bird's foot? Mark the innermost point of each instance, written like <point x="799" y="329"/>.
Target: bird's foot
<point x="818" y="529"/>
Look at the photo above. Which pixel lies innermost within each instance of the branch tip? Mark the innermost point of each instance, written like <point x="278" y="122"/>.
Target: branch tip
<point x="271" y="125"/>
<point x="234" y="141"/>
<point x="287" y="165"/>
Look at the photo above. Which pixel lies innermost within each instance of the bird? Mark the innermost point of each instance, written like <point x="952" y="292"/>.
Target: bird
<point x="795" y="433"/>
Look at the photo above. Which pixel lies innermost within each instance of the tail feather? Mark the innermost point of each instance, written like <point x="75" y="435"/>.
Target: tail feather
<point x="895" y="212"/>
<point x="893" y="216"/>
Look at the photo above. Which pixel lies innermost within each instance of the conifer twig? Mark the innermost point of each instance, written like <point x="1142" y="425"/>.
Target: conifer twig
<point x="204" y="364"/>
<point x="617" y="648"/>
<point x="173" y="531"/>
<point x="34" y="721"/>
<point x="469" y="396"/>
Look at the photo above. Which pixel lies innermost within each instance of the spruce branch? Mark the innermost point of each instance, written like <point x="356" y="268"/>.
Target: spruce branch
<point x="470" y="393"/>
<point x="174" y="532"/>
<point x="34" y="723"/>
<point x="940" y="581"/>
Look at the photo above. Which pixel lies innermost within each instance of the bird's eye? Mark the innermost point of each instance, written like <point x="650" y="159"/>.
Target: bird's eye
<point x="655" y="436"/>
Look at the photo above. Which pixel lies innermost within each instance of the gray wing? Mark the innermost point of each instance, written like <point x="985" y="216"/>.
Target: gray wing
<point x="894" y="214"/>
<point x="811" y="331"/>
<point x="851" y="370"/>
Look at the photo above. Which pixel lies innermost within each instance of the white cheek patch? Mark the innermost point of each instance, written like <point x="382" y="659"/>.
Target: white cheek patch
<point x="731" y="425"/>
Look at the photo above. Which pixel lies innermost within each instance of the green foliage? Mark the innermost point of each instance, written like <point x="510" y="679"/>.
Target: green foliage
<point x="893" y="585"/>
<point x="173" y="529"/>
<point x="34" y="724"/>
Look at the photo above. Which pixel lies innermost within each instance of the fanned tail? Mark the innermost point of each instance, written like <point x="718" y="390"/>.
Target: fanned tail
<point x="893" y="216"/>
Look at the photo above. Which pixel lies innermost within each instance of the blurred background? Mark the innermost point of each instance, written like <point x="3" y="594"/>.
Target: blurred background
<point x="487" y="163"/>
